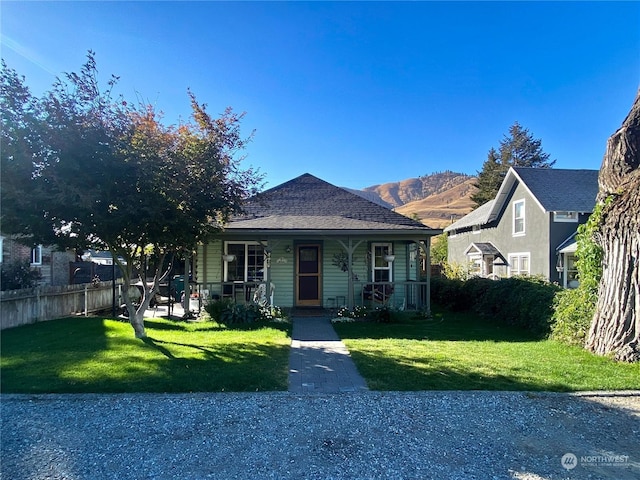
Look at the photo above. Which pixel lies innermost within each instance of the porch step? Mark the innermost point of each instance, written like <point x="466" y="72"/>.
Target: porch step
<point x="310" y="312"/>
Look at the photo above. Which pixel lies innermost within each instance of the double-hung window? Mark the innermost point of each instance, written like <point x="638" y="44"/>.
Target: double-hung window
<point x="382" y="264"/>
<point x="518" y="218"/>
<point x="248" y="264"/>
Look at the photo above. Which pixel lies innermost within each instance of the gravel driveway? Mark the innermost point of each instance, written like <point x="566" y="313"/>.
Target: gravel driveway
<point x="370" y="435"/>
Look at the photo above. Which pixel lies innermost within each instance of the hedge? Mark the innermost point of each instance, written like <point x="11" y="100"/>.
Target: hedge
<point x="526" y="302"/>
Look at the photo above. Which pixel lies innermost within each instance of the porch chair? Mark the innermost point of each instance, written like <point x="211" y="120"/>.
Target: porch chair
<point x="378" y="293"/>
<point x="260" y="295"/>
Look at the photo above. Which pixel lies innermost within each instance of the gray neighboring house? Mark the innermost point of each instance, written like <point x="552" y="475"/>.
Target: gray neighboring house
<point x="529" y="228"/>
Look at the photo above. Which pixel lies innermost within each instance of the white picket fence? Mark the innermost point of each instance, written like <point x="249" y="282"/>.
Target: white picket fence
<point x="21" y="307"/>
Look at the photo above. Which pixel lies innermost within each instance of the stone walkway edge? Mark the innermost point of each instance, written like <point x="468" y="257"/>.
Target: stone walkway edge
<point x="319" y="361"/>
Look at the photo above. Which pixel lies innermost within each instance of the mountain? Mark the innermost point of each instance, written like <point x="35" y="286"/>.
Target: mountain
<point x="436" y="199"/>
<point x="443" y="208"/>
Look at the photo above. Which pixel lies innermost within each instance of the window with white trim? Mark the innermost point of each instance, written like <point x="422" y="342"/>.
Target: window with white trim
<point x="569" y="217"/>
<point x="518" y="218"/>
<point x="248" y="264"/>
<point x="475" y="263"/>
<point x="519" y="264"/>
<point x="36" y="255"/>
<point x="382" y="267"/>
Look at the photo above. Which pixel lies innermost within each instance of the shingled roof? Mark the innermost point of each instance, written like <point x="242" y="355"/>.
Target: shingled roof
<point x="561" y="190"/>
<point x="308" y="203"/>
<point x="554" y="189"/>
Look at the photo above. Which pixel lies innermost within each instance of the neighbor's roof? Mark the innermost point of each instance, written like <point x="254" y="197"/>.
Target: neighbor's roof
<point x="554" y="190"/>
<point x="478" y="217"/>
<point x="485" y="248"/>
<point x="308" y="203"/>
<point x="560" y="190"/>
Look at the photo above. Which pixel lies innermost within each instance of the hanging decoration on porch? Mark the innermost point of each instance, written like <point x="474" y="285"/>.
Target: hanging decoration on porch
<point x="341" y="260"/>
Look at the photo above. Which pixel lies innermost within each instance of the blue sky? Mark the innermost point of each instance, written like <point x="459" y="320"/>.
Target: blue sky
<point x="356" y="93"/>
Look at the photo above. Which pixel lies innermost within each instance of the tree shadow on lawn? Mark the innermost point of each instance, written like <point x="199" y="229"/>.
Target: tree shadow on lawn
<point x="412" y="374"/>
<point x="184" y="326"/>
<point x="248" y="327"/>
<point x="443" y="325"/>
<point x="252" y="367"/>
<point x="249" y="367"/>
<point x="93" y="356"/>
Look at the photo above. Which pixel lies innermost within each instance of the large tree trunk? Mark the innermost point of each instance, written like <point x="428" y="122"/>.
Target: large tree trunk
<point x="135" y="310"/>
<point x="615" y="328"/>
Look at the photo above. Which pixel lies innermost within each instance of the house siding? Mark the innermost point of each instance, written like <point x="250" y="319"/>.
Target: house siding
<point x="335" y="282"/>
<point x="542" y="236"/>
<point x="536" y="232"/>
<point x="558" y="233"/>
<point x="501" y="235"/>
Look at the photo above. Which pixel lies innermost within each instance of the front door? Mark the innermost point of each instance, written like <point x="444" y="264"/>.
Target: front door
<point x="308" y="276"/>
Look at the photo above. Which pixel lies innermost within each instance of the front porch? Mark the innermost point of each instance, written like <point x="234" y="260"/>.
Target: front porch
<point x="400" y="295"/>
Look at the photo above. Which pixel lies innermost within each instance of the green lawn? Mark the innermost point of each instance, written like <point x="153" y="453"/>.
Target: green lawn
<point x="456" y="351"/>
<point x="101" y="355"/>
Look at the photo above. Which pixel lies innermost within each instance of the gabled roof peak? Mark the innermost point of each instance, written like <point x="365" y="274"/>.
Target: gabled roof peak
<point x="553" y="189"/>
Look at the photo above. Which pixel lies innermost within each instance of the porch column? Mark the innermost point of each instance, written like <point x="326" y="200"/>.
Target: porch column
<point x="350" y="248"/>
<point x="350" y="280"/>
<point x="428" y="254"/>
<point x="268" y="250"/>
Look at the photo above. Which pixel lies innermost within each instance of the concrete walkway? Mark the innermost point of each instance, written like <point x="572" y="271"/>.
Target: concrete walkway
<point x="319" y="362"/>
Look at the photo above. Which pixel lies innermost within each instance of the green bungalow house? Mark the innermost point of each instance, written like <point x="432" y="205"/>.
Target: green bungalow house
<point x="307" y="243"/>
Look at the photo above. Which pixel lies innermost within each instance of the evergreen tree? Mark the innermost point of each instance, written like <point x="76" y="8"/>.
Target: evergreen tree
<point x="490" y="176"/>
<point x="517" y="149"/>
<point x="520" y="149"/>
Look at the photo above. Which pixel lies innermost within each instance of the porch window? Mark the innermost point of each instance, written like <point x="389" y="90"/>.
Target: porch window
<point x="248" y="264"/>
<point x="518" y="218"/>
<point x="382" y="268"/>
<point x="475" y="264"/>
<point x="572" y="271"/>
<point x="36" y="255"/>
<point x="519" y="264"/>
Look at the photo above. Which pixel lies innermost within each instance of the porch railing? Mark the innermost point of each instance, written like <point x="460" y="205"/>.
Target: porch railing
<point x="239" y="292"/>
<point x="405" y="295"/>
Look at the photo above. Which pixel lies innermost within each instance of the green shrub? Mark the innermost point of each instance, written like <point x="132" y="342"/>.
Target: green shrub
<point x="216" y="308"/>
<point x="449" y="293"/>
<point x="573" y="311"/>
<point x="228" y="312"/>
<point x="526" y="302"/>
<point x="17" y="275"/>
<point x="381" y="314"/>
